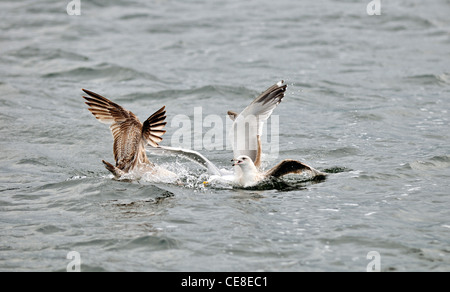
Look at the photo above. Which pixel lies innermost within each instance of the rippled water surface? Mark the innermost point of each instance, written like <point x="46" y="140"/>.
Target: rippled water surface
<point x="367" y="101"/>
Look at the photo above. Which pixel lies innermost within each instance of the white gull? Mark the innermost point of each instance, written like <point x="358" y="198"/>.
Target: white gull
<point x="245" y="138"/>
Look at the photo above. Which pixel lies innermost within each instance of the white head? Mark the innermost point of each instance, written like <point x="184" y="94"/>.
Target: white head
<point x="244" y="162"/>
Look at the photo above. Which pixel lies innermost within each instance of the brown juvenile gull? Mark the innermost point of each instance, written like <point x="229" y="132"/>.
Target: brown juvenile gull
<point x="130" y="135"/>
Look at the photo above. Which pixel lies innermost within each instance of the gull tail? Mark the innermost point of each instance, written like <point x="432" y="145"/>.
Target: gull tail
<point x="114" y="170"/>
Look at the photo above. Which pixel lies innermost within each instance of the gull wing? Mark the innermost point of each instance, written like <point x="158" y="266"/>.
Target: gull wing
<point x="152" y="129"/>
<point x="125" y="127"/>
<point x="288" y="166"/>
<point x="248" y="125"/>
<point x="189" y="154"/>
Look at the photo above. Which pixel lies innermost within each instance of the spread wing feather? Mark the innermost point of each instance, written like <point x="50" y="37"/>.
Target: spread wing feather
<point x="152" y="129"/>
<point x="248" y="125"/>
<point x="127" y="130"/>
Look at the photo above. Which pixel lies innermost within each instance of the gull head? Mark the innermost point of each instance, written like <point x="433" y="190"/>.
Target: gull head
<point x="244" y="162"/>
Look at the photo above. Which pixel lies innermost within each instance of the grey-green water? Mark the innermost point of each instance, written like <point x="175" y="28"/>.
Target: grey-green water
<point x="368" y="98"/>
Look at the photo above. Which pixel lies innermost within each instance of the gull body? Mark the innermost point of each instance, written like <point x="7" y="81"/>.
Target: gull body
<point x="130" y="136"/>
<point x="250" y="175"/>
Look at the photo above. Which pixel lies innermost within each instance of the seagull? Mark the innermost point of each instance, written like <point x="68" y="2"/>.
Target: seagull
<point x="251" y="175"/>
<point x="245" y="138"/>
<point x="130" y="135"/>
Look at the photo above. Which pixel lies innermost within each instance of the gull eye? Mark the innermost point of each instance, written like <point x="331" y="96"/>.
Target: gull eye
<point x="244" y="158"/>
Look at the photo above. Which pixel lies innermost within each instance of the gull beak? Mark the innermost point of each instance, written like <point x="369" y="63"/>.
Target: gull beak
<point x="236" y="162"/>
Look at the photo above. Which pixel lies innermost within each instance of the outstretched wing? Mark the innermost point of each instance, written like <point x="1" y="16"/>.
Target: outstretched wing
<point x="125" y="127"/>
<point x="288" y="166"/>
<point x="152" y="130"/>
<point x="189" y="154"/>
<point x="248" y="125"/>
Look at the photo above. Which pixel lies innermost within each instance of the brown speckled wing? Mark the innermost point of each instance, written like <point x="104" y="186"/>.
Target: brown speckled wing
<point x="125" y="127"/>
<point x="152" y="129"/>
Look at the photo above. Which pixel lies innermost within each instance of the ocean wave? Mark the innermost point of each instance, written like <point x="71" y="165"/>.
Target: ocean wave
<point x="435" y="162"/>
<point x="45" y="54"/>
<point x="430" y="79"/>
<point x="197" y="94"/>
<point x="101" y="72"/>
